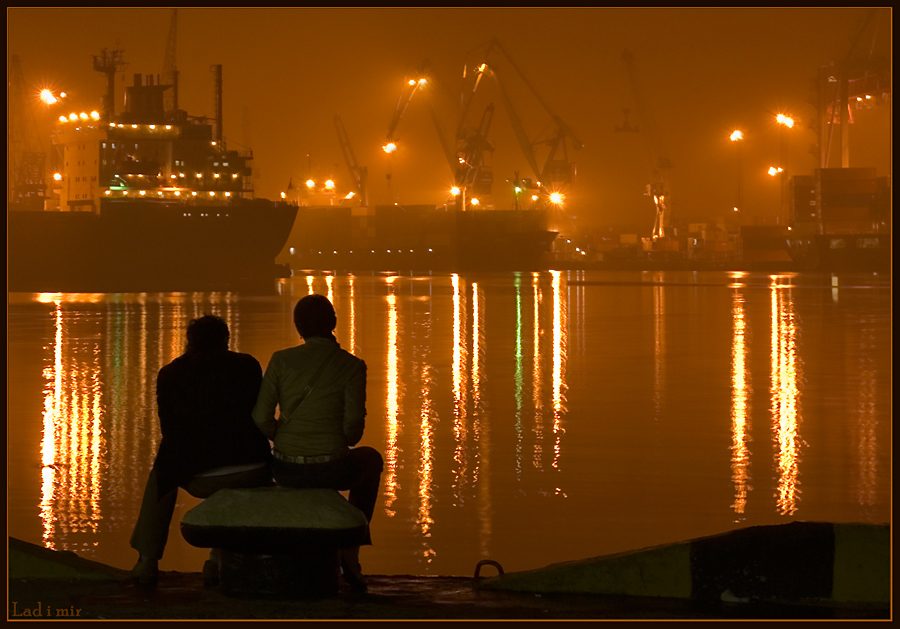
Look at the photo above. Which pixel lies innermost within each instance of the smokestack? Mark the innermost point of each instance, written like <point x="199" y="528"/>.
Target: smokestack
<point x="217" y="71"/>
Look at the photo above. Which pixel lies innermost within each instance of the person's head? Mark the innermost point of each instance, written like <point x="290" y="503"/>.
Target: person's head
<point x="314" y="316"/>
<point x="207" y="333"/>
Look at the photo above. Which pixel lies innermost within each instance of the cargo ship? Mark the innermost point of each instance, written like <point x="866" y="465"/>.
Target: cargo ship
<point x="147" y="200"/>
<point x="841" y="221"/>
<point x="418" y="238"/>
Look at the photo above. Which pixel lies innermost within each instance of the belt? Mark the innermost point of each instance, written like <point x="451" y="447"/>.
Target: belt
<point x="302" y="460"/>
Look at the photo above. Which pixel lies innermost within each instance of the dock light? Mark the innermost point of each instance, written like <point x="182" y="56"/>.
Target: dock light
<point x="482" y="67"/>
<point x="557" y="198"/>
<point x="422" y="81"/>
<point x="168" y="126"/>
<point x="153" y="126"/>
<point x="350" y="195"/>
<point x="389" y="148"/>
<point x="211" y="193"/>
<point x="63" y="119"/>
<point x="160" y="193"/>
<point x="199" y="175"/>
<point x="737" y="135"/>
<point x="774" y="171"/>
<point x="227" y="194"/>
<point x="534" y="197"/>
<point x="73" y="117"/>
<point x="329" y="185"/>
<point x="134" y="126"/>
<point x="107" y="192"/>
<point x="177" y="193"/>
<point x="234" y="175"/>
<point x="194" y="193"/>
<point x="412" y="81"/>
<point x="216" y="175"/>
<point x="785" y="120"/>
<point x="95" y="115"/>
<point x="283" y="195"/>
<point x="57" y="177"/>
<point x="455" y="191"/>
<point x="310" y="184"/>
<point x="181" y="174"/>
<point x="736" y="210"/>
<point x="62" y="94"/>
<point x="47" y="97"/>
<point x="83" y="116"/>
<point x="475" y="201"/>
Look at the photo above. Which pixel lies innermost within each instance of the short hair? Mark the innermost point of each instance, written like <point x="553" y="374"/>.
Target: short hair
<point x="314" y="316"/>
<point x="207" y="333"/>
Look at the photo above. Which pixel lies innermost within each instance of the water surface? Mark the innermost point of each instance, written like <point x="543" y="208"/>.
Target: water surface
<point x="526" y="418"/>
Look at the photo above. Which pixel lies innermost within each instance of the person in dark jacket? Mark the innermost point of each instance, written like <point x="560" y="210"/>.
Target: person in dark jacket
<point x="209" y="440"/>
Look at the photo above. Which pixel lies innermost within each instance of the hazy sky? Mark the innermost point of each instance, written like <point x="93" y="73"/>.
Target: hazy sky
<point x="288" y="71"/>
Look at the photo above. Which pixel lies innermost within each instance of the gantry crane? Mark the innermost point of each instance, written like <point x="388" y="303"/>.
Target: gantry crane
<point x="658" y="188"/>
<point x="359" y="173"/>
<point x="555" y="169"/>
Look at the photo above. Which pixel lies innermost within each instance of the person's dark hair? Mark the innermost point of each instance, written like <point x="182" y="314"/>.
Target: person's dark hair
<point x="314" y="316"/>
<point x="207" y="333"/>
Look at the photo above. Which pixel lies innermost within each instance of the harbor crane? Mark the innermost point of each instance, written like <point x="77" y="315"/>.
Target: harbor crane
<point x="556" y="168"/>
<point x="860" y="78"/>
<point x="360" y="174"/>
<point x="26" y="158"/>
<point x="466" y="160"/>
<point x="658" y="188"/>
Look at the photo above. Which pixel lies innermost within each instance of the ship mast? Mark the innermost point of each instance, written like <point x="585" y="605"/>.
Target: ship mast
<point x="108" y="62"/>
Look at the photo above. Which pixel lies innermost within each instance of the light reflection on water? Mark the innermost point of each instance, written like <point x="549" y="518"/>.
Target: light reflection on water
<point x="471" y="454"/>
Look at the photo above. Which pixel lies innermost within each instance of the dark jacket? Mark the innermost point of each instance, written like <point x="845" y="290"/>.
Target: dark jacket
<point x="205" y="402"/>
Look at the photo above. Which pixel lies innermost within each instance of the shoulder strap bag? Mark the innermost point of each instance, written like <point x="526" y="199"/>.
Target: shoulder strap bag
<point x="307" y="389"/>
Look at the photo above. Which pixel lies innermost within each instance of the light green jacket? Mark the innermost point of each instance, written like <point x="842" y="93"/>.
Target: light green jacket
<point x="332" y="418"/>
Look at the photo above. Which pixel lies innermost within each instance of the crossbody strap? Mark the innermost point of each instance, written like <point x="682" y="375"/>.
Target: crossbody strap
<point x="310" y="384"/>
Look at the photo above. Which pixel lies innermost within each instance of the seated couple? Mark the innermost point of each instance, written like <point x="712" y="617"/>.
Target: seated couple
<point x="217" y="417"/>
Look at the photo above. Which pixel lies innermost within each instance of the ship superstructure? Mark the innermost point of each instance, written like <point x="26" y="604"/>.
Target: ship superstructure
<point x="150" y="199"/>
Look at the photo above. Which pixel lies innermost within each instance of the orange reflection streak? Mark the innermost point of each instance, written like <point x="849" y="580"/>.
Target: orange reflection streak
<point x="537" y="377"/>
<point x="392" y="407"/>
<point x="659" y="344"/>
<point x="329" y="281"/>
<point x="233" y="318"/>
<point x="459" y="391"/>
<point x="785" y="396"/>
<point x="49" y="438"/>
<point x="476" y="377"/>
<point x="560" y="342"/>
<point x="740" y="453"/>
<point x="352" y="317"/>
<point x="482" y="429"/>
<point x="426" y="462"/>
<point x="866" y="436"/>
<point x="72" y="441"/>
<point x="309" y="284"/>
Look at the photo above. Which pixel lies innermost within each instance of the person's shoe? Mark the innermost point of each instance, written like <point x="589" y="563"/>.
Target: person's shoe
<point x="145" y="571"/>
<point x="352" y="571"/>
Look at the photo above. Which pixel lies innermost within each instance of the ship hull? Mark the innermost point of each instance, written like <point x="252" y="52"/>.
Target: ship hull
<point x="138" y="246"/>
<point x="419" y="238"/>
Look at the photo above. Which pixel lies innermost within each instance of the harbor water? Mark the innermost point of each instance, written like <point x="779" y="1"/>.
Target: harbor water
<point x="528" y="418"/>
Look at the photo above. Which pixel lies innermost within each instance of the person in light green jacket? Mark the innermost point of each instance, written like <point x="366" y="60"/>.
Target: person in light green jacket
<point x="320" y="391"/>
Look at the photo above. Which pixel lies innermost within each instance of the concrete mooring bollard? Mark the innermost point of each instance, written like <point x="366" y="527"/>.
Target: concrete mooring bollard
<point x="276" y="541"/>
